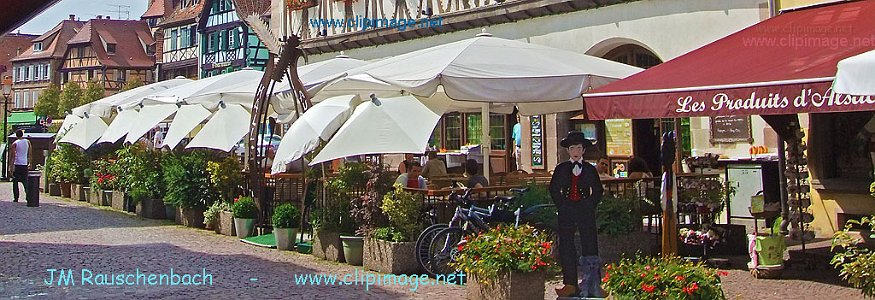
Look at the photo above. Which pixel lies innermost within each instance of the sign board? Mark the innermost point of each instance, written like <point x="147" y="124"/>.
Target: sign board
<point x="731" y="129"/>
<point x="537" y="133"/>
<point x="618" y="137"/>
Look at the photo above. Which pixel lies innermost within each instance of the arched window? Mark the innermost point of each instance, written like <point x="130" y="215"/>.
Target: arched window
<point x="633" y="55"/>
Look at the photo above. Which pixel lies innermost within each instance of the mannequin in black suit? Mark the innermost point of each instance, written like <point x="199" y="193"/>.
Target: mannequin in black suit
<point x="576" y="189"/>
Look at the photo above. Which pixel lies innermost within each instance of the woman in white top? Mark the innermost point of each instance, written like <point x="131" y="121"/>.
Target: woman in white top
<point x="21" y="157"/>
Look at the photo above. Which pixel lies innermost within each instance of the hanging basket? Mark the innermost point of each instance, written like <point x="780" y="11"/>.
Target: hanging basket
<point x="301" y="4"/>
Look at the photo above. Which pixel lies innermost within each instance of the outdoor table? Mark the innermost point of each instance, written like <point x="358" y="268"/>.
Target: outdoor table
<point x="454" y="159"/>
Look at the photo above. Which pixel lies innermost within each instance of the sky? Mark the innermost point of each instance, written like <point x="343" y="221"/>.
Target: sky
<point x="84" y="10"/>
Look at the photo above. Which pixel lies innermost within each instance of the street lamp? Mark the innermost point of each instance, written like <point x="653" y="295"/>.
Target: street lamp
<point x="7" y="90"/>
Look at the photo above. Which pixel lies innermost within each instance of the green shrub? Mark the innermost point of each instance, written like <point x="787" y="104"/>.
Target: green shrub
<point x="142" y="175"/>
<point x="225" y="175"/>
<point x="211" y="215"/>
<point x="855" y="262"/>
<point x="389" y="234"/>
<point x="68" y="164"/>
<point x="186" y="180"/>
<point x="403" y="210"/>
<point x="616" y="216"/>
<point x="662" y="278"/>
<point x="244" y="208"/>
<point x="286" y="216"/>
<point x="102" y="178"/>
<point x="537" y="195"/>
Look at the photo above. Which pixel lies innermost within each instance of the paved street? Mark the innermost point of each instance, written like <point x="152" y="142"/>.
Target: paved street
<point x="63" y="234"/>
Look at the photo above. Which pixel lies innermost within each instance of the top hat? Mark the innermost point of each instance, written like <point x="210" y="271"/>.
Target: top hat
<point x="575" y="138"/>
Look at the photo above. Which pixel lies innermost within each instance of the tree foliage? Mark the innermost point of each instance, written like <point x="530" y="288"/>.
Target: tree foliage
<point x="132" y="83"/>
<point x="48" y="101"/>
<point x="93" y="91"/>
<point x="69" y="97"/>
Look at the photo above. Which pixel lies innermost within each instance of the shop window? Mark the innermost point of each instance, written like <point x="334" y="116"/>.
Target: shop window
<point x="633" y="55"/>
<point x="497" y="131"/>
<point x="839" y="151"/>
<point x="473" y="129"/>
<point x="453" y="131"/>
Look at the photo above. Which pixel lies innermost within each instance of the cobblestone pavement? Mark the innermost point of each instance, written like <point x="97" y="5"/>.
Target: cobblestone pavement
<point x="63" y="234"/>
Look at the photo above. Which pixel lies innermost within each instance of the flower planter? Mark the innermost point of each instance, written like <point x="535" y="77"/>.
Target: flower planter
<point x="150" y="208"/>
<point x="285" y="238"/>
<point x="106" y="198"/>
<point x="225" y="224"/>
<point x="244" y="227"/>
<point x="77" y="192"/>
<point x="44" y="181"/>
<point x="390" y="257"/>
<point x="54" y="189"/>
<point x="66" y="189"/>
<point x="118" y="200"/>
<point x="130" y="204"/>
<point x="508" y="285"/>
<point x="326" y="245"/>
<point x="190" y="216"/>
<point x="95" y="196"/>
<point x="169" y="211"/>
<point x="353" y="247"/>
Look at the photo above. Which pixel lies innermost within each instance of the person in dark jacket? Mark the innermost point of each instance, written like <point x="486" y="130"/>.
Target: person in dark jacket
<point x="577" y="190"/>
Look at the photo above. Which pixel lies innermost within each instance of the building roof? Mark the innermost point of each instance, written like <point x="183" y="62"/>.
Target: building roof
<point x="184" y="15"/>
<point x="54" y="41"/>
<point x="129" y="37"/>
<point x="156" y="9"/>
<point x="248" y="7"/>
<point x="10" y="45"/>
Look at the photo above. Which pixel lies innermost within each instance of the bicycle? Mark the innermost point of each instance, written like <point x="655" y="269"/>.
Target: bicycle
<point x="443" y="248"/>
<point x="423" y="242"/>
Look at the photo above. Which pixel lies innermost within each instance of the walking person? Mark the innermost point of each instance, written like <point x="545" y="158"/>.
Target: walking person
<point x="21" y="159"/>
<point x="576" y="190"/>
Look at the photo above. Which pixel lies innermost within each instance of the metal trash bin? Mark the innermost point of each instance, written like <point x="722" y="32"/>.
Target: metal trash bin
<point x="31" y="187"/>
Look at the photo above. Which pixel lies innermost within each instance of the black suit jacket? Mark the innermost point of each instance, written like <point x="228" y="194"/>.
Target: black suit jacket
<point x="589" y="185"/>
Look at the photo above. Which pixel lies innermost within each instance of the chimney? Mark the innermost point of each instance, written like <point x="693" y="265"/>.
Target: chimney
<point x="72" y="17"/>
<point x="99" y="17"/>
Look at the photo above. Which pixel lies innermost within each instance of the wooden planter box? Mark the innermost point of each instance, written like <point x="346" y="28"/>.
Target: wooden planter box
<point x="44" y="181"/>
<point x="390" y="257"/>
<point x="54" y="189"/>
<point x="191" y="217"/>
<point x="95" y="197"/>
<point x="78" y="192"/>
<point x="87" y="191"/>
<point x="66" y="189"/>
<point x="150" y="208"/>
<point x="612" y="248"/>
<point x="225" y="224"/>
<point x="326" y="245"/>
<point x="508" y="285"/>
<point x="118" y="200"/>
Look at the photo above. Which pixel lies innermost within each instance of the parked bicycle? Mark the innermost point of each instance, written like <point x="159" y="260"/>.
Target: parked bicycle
<point x="437" y="246"/>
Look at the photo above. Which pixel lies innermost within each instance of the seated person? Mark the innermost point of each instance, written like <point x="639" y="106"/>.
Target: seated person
<point x="638" y="168"/>
<point x="475" y="180"/>
<point x="412" y="179"/>
<point x="408" y="159"/>
<point x="604" y="168"/>
<point x="434" y="166"/>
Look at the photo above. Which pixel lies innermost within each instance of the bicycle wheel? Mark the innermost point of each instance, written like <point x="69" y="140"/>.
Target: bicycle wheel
<point x="444" y="250"/>
<point x="422" y="244"/>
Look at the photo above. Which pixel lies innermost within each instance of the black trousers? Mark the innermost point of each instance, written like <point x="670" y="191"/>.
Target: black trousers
<point x="576" y="217"/>
<point x="19" y="174"/>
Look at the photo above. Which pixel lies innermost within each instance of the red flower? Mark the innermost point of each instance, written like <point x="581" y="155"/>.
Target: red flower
<point x="647" y="268"/>
<point x="607" y="277"/>
<point x="679" y="278"/>
<point x="608" y="267"/>
<point x="687" y="291"/>
<point x="722" y="273"/>
<point x="694" y="286"/>
<point x="647" y="287"/>
<point x="643" y="275"/>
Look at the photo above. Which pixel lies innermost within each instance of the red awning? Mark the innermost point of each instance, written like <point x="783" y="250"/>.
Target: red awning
<point x="783" y="65"/>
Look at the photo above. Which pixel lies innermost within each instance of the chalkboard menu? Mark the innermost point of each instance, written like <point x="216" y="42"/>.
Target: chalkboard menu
<point x="731" y="129"/>
<point x="537" y="123"/>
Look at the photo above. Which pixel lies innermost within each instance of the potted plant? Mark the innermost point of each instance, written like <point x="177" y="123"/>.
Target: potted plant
<point x="853" y="255"/>
<point x="102" y="182"/>
<point x="506" y="262"/>
<point x="211" y="215"/>
<point x="285" y="225"/>
<point x="619" y="233"/>
<point x="78" y="190"/>
<point x="68" y="163"/>
<point x="662" y="278"/>
<point x="187" y="186"/>
<point x="333" y="219"/>
<point x="144" y="185"/>
<point x="225" y="176"/>
<point x="53" y="188"/>
<point x="245" y="213"/>
<point x="392" y="249"/>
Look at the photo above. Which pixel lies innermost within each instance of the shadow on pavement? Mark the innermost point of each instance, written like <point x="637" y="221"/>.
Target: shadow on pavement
<point x="17" y="218"/>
